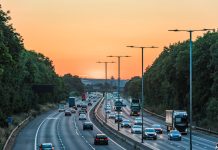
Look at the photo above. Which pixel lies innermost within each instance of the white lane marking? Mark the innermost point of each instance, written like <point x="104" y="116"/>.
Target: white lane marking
<point x="58" y="134"/>
<point x="37" y="131"/>
<point x="77" y="132"/>
<point x="50" y="118"/>
<point x="101" y="131"/>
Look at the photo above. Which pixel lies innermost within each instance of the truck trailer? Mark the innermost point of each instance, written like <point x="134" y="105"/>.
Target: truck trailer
<point x="71" y="101"/>
<point x="135" y="107"/>
<point x="177" y="119"/>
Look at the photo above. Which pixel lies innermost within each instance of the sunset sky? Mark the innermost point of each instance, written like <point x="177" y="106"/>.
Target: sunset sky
<point x="76" y="34"/>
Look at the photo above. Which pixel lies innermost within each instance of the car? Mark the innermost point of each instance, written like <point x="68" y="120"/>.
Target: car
<point x="101" y="139"/>
<point x="112" y="115"/>
<point x="84" y="106"/>
<point x="72" y="110"/>
<point x="74" y="107"/>
<point x="118" y="118"/>
<point x="138" y="121"/>
<point x="126" y="124"/>
<point x="174" y="135"/>
<point x="89" y="103"/>
<point x="107" y="110"/>
<point x="46" y="146"/>
<point x="78" y="105"/>
<point x="82" y="117"/>
<point x="150" y="133"/>
<point x="157" y="128"/>
<point x="84" y="109"/>
<point x="67" y="113"/>
<point x="216" y="148"/>
<point x="136" y="129"/>
<point x="87" y="125"/>
<point x="82" y="112"/>
<point x="61" y="109"/>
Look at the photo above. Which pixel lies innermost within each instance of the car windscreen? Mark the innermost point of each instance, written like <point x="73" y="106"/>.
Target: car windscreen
<point x="149" y="130"/>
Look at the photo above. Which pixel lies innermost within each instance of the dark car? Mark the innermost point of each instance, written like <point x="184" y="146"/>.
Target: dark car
<point x="78" y="105"/>
<point x="157" y="128"/>
<point x="174" y="135"/>
<point x="216" y="148"/>
<point x="118" y="118"/>
<point x="67" y="113"/>
<point x="87" y="125"/>
<point x="82" y="112"/>
<point x="150" y="133"/>
<point x="75" y="107"/>
<point x="84" y="109"/>
<point x="89" y="103"/>
<point x="126" y="124"/>
<point x="101" y="139"/>
<point x="46" y="146"/>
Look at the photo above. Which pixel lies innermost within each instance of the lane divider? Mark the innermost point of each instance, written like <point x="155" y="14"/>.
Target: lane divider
<point x="58" y="134"/>
<point x="37" y="131"/>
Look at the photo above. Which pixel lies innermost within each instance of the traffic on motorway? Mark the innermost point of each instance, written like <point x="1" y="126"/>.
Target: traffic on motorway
<point x="171" y="134"/>
<point x="67" y="128"/>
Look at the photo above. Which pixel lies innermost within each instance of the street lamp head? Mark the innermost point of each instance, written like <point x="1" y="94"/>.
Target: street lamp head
<point x="154" y="47"/>
<point x="175" y="30"/>
<point x="209" y="30"/>
<point x="130" y="46"/>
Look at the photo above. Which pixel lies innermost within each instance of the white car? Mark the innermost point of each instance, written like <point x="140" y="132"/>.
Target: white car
<point x="136" y="129"/>
<point x="138" y="121"/>
<point x="82" y="117"/>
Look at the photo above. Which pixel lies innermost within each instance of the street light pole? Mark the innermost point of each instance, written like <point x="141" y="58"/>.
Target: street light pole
<point x="190" y="78"/>
<point x="118" y="88"/>
<point x="142" y="92"/>
<point x="105" y="62"/>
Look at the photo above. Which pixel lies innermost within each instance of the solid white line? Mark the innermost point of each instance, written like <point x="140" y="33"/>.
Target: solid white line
<point x="101" y="131"/>
<point x="37" y="131"/>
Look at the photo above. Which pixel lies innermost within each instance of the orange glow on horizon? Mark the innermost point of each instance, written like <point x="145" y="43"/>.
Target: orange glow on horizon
<point x="76" y="34"/>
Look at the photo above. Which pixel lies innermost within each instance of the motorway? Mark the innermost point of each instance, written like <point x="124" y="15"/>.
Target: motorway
<point x="65" y="132"/>
<point x="200" y="141"/>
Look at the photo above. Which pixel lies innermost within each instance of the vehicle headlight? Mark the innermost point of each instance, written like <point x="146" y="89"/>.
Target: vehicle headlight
<point x="155" y="134"/>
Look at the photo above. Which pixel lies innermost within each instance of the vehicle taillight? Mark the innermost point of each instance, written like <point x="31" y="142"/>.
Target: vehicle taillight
<point x="106" y="139"/>
<point x="96" y="139"/>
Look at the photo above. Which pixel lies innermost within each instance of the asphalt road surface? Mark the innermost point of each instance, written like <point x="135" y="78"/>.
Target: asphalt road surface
<point x="65" y="132"/>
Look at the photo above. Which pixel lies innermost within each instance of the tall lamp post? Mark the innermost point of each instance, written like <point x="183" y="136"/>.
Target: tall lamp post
<point x="118" y="88"/>
<point x="142" y="96"/>
<point x="105" y="62"/>
<point x="190" y="77"/>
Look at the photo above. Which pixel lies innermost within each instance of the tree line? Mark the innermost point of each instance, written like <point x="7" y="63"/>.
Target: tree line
<point x="27" y="78"/>
<point x="167" y="80"/>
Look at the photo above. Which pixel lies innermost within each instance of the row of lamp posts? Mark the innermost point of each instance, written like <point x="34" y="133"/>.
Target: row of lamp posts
<point x="142" y="88"/>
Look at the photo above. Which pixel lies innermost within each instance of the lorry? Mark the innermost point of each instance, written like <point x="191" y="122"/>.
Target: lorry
<point x="83" y="96"/>
<point x="177" y="119"/>
<point x="135" y="107"/>
<point x="61" y="107"/>
<point x="71" y="101"/>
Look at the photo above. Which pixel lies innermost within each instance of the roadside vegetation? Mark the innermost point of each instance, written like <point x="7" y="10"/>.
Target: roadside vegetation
<point x="28" y="81"/>
<point x="167" y="81"/>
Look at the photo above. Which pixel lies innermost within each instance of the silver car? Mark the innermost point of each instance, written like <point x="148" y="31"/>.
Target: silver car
<point x="136" y="129"/>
